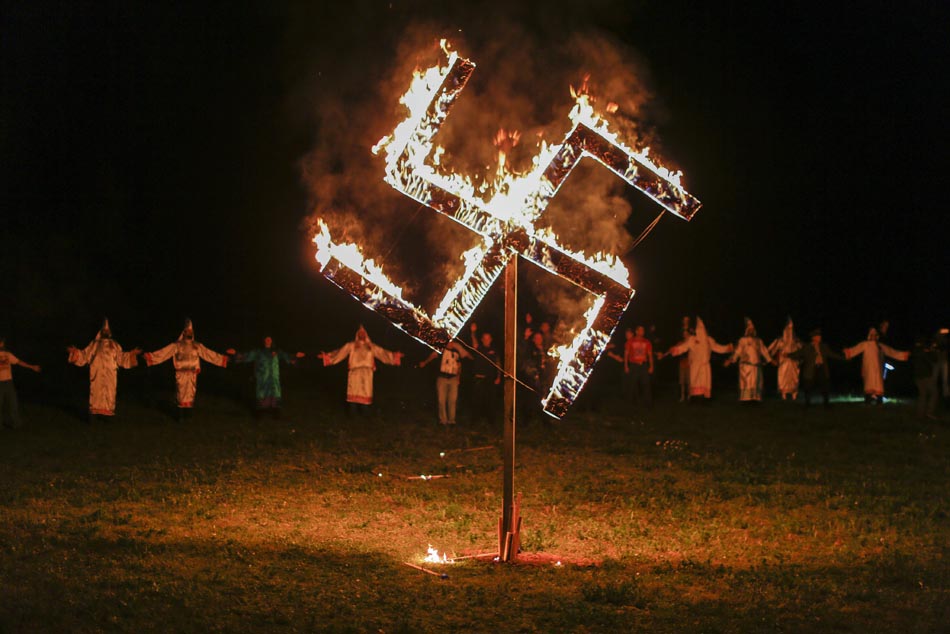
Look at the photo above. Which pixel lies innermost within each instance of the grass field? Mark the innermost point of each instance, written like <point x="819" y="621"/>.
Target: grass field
<point x="685" y="519"/>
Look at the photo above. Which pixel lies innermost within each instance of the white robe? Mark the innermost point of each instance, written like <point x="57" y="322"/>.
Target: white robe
<point x="186" y="356"/>
<point x="700" y="373"/>
<point x="872" y="363"/>
<point x="104" y="357"/>
<point x="751" y="354"/>
<point x="362" y="364"/>
<point x="788" y="368"/>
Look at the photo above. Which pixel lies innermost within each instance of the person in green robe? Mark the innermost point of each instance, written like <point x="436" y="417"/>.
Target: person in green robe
<point x="267" y="362"/>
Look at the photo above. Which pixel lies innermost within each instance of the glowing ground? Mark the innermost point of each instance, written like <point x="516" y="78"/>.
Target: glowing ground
<point x="713" y="519"/>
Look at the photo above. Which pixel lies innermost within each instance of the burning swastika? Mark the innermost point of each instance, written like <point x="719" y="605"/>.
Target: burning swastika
<point x="505" y="219"/>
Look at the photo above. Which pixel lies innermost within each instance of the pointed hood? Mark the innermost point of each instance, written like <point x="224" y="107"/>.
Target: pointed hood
<point x="788" y="335"/>
<point x="188" y="329"/>
<point x="700" y="328"/>
<point x="749" y="327"/>
<point x="104" y="332"/>
<point x="873" y="334"/>
<point x="362" y="336"/>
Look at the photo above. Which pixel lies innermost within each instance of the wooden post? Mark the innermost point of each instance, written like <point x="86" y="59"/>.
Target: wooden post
<point x="508" y="530"/>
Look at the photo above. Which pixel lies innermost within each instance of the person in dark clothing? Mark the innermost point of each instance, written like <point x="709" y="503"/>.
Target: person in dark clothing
<point x="924" y="359"/>
<point x="815" y="374"/>
<point x="528" y="326"/>
<point x="547" y="337"/>
<point x="534" y="369"/>
<point x="8" y="400"/>
<point x="485" y="380"/>
<point x="447" y="384"/>
<point x="638" y="367"/>
<point x="654" y="337"/>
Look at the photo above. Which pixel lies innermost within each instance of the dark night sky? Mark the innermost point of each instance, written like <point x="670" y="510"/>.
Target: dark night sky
<point x="151" y="158"/>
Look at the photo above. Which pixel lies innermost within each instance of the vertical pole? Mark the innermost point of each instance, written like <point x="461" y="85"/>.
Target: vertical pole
<point x="509" y="529"/>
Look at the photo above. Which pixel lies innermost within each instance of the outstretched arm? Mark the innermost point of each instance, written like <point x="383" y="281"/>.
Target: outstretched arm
<point x="128" y="359"/>
<point x="81" y="357"/>
<point x="386" y="356"/>
<point x="677" y="350"/>
<point x="715" y="346"/>
<point x="242" y="357"/>
<point x="428" y="359"/>
<point x="20" y="362"/>
<point x="850" y="353"/>
<point x="828" y="353"/>
<point x="28" y="366"/>
<point x="332" y="358"/>
<point x="209" y="355"/>
<point x="161" y="355"/>
<point x="897" y="355"/>
<point x="292" y="360"/>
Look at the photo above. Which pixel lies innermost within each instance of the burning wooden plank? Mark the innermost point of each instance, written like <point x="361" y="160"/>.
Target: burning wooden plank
<point x="506" y="219"/>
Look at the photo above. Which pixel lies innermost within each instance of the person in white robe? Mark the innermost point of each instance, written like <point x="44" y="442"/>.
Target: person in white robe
<point x="104" y="356"/>
<point x="699" y="345"/>
<point x="187" y="355"/>
<point x="362" y="355"/>
<point x="788" y="366"/>
<point x="872" y="354"/>
<point x="751" y="354"/>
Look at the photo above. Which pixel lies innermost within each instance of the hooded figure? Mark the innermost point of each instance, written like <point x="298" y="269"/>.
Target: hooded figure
<point x="872" y="363"/>
<point x="699" y="345"/>
<point x="362" y="354"/>
<point x="186" y="355"/>
<point x="104" y="357"/>
<point x="788" y="369"/>
<point x="751" y="355"/>
<point x="266" y="362"/>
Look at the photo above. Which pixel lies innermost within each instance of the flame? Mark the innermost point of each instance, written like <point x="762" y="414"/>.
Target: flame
<point x="433" y="557"/>
<point x="568" y="379"/>
<point x="584" y="113"/>
<point x="351" y="255"/>
<point x="607" y="263"/>
<point x="504" y="210"/>
<point x="472" y="259"/>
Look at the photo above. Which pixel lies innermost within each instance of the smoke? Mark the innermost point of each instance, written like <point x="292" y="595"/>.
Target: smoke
<point x="522" y="82"/>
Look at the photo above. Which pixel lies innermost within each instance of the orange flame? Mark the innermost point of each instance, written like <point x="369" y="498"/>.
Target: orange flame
<point x="433" y="557"/>
<point x="510" y="204"/>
